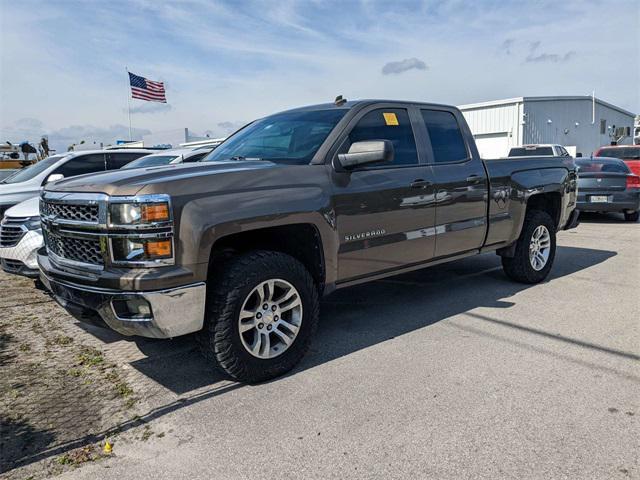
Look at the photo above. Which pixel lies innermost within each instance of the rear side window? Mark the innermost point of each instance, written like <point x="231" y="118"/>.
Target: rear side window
<point x="82" y="164"/>
<point x="446" y="138"/>
<point x="388" y="124"/>
<point x="195" y="158"/>
<point x="119" y="160"/>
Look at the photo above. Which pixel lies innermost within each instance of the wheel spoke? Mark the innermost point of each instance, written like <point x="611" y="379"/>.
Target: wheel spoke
<point x="266" y="344"/>
<point x="246" y="326"/>
<point x="257" y="343"/>
<point x="290" y="293"/>
<point x="283" y="336"/>
<point x="246" y="314"/>
<point x="291" y="305"/>
<point x="289" y="326"/>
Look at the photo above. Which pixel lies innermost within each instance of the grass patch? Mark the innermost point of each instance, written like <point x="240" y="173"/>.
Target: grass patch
<point x="123" y="389"/>
<point x="90" y="356"/>
<point x="79" y="456"/>
<point x="61" y="340"/>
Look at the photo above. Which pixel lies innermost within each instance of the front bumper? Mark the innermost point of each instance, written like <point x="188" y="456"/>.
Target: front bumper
<point x="24" y="253"/>
<point x="174" y="312"/>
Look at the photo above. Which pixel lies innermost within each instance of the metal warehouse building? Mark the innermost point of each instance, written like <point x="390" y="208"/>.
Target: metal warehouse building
<point x="581" y="124"/>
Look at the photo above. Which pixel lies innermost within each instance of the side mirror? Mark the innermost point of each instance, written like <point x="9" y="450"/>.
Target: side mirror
<point x="54" y="177"/>
<point x="364" y="153"/>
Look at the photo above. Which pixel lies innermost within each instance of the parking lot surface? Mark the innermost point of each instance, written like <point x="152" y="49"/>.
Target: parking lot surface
<point x="449" y="372"/>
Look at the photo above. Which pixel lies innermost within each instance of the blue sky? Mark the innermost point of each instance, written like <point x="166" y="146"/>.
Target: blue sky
<point x="224" y="63"/>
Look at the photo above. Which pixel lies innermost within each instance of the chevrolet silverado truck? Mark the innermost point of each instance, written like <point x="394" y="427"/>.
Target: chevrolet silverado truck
<point x="241" y="246"/>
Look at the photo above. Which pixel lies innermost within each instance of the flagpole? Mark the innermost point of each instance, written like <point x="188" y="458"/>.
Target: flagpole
<point x="129" y="104"/>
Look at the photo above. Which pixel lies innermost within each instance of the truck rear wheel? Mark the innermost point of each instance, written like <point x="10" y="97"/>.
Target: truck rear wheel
<point x="535" y="249"/>
<point x="262" y="311"/>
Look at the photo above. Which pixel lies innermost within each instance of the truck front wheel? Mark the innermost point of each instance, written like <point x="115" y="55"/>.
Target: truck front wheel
<point x="262" y="311"/>
<point x="535" y="249"/>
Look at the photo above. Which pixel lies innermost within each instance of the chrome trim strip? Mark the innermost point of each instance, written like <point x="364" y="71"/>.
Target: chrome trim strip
<point x="65" y="262"/>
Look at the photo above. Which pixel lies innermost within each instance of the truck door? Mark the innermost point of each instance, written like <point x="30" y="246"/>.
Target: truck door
<point x="384" y="213"/>
<point x="461" y="184"/>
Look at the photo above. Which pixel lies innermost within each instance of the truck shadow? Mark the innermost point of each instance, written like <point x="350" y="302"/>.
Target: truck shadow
<point x="589" y="217"/>
<point x="362" y="316"/>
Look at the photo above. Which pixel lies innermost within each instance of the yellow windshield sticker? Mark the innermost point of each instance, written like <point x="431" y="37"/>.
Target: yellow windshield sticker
<point x="390" y="118"/>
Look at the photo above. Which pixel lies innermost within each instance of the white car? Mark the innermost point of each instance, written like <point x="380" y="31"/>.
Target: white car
<point x="539" y="150"/>
<point x="170" y="157"/>
<point x="27" y="182"/>
<point x="20" y="239"/>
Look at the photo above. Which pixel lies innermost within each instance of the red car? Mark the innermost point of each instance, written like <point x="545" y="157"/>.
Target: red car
<point x="629" y="154"/>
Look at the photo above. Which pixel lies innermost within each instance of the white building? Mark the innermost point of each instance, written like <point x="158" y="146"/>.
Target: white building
<point x="581" y="124"/>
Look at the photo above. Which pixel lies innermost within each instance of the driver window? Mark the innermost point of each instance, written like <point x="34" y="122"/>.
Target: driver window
<point x="391" y="124"/>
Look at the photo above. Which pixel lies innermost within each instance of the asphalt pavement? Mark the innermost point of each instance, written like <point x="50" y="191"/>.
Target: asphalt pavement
<point x="450" y="372"/>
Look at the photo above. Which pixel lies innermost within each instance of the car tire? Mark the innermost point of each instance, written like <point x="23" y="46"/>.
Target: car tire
<point x="523" y="267"/>
<point x="631" y="217"/>
<point x="241" y="279"/>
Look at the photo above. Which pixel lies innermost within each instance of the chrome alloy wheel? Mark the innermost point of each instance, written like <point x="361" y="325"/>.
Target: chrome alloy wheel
<point x="539" y="248"/>
<point x="270" y="318"/>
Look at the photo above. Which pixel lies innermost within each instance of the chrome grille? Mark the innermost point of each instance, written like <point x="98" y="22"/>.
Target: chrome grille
<point x="76" y="249"/>
<point x="12" y="231"/>
<point x="79" y="213"/>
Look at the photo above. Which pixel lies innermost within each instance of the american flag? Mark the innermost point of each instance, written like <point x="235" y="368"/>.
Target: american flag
<point x="144" y="89"/>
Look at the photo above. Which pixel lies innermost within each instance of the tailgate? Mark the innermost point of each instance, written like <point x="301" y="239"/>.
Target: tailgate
<point x="601" y="182"/>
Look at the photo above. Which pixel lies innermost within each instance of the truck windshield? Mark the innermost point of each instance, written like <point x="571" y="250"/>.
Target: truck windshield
<point x="630" y="153"/>
<point x="531" y="152"/>
<point x="290" y="138"/>
<point x="33" y="171"/>
<point x="151" y="161"/>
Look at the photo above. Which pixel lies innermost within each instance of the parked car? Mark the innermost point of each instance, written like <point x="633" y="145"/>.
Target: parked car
<point x="539" y="150"/>
<point x="170" y="157"/>
<point x="20" y="239"/>
<point x="294" y="206"/>
<point x="607" y="185"/>
<point x="629" y="154"/>
<point x="7" y="172"/>
<point x="26" y="183"/>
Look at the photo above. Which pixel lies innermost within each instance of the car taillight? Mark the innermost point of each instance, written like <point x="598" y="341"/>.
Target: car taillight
<point x="633" y="181"/>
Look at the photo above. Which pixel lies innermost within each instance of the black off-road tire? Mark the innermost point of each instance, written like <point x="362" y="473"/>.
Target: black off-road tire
<point x="631" y="217"/>
<point x="519" y="267"/>
<point x="220" y="338"/>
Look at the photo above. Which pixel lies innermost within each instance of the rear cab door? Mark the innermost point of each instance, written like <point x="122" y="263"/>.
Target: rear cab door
<point x="384" y="213"/>
<point x="461" y="181"/>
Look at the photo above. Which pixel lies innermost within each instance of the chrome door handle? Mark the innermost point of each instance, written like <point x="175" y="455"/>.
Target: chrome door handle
<point x="420" y="183"/>
<point x="474" y="179"/>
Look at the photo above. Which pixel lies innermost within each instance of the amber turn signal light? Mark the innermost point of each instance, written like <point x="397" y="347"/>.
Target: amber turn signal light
<point x="156" y="212"/>
<point x="157" y="249"/>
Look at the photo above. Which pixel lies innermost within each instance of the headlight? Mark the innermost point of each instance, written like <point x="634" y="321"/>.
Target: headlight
<point x="139" y="213"/>
<point x="33" y="223"/>
<point x="141" y="249"/>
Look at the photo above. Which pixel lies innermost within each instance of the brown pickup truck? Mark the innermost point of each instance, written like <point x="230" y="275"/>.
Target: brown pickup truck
<point x="241" y="246"/>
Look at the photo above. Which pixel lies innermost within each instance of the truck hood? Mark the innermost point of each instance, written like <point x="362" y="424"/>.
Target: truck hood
<point x="28" y="208"/>
<point x="11" y="188"/>
<point x="131" y="181"/>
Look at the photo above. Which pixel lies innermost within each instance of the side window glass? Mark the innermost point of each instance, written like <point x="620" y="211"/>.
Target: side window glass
<point x="195" y="158"/>
<point x="81" y="165"/>
<point x="119" y="160"/>
<point x="391" y="124"/>
<point x="446" y="138"/>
